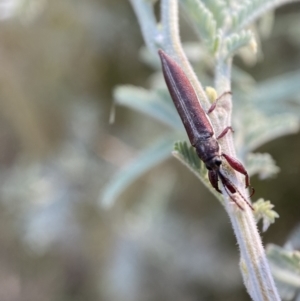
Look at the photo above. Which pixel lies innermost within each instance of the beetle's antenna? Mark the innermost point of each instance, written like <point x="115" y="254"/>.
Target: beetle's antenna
<point x="234" y="200"/>
<point x="227" y="184"/>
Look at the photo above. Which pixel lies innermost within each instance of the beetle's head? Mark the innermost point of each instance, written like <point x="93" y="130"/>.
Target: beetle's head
<point x="214" y="163"/>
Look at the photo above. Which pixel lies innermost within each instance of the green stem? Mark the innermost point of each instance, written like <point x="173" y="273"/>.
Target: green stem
<point x="256" y="271"/>
<point x="254" y="264"/>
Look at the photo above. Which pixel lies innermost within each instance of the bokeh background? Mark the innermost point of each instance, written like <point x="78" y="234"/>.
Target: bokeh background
<point x="166" y="237"/>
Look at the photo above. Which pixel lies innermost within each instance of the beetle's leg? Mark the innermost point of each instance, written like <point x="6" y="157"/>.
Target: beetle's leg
<point x="213" y="178"/>
<point x="238" y="166"/>
<point x="252" y="192"/>
<point x="225" y="131"/>
<point x="214" y="104"/>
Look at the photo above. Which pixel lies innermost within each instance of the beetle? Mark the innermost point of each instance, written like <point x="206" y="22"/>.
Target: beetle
<point x="199" y="128"/>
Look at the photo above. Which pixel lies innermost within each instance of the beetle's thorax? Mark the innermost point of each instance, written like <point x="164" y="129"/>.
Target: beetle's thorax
<point x="208" y="151"/>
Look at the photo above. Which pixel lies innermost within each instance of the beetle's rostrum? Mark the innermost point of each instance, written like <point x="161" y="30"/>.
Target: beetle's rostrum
<point x="199" y="128"/>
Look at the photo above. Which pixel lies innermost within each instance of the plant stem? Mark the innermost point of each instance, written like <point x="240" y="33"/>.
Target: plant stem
<point x="254" y="265"/>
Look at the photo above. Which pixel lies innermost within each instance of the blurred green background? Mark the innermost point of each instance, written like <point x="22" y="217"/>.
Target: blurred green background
<point x="166" y="238"/>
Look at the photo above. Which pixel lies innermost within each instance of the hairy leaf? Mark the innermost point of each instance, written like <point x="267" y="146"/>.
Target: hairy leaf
<point x="259" y="129"/>
<point x="273" y="94"/>
<point x="238" y="40"/>
<point x="202" y="20"/>
<point x="151" y="103"/>
<point x="285" y="267"/>
<point x="150" y="157"/>
<point x="243" y="80"/>
<point x="145" y="14"/>
<point x="218" y="8"/>
<point x="293" y="240"/>
<point x="250" y="11"/>
<point x="261" y="164"/>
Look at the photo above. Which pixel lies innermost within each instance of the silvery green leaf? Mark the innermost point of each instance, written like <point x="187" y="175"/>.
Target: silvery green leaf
<point x="285" y="267"/>
<point x="247" y="12"/>
<point x="243" y="80"/>
<point x="149" y="58"/>
<point x="150" y="157"/>
<point x="150" y="102"/>
<point x="145" y="13"/>
<point x="202" y="20"/>
<point x="218" y="8"/>
<point x="263" y="210"/>
<point x="187" y="155"/>
<point x="250" y="11"/>
<point x="196" y="53"/>
<point x="192" y="50"/>
<point x="261" y="164"/>
<point x="236" y="41"/>
<point x="293" y="240"/>
<point x="260" y="129"/>
<point x="272" y="95"/>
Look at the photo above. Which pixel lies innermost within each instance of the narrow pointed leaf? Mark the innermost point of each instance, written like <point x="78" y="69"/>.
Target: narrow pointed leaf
<point x="150" y="157"/>
<point x="148" y="102"/>
<point x="250" y="11"/>
<point x="285" y="267"/>
<point x="294" y="238"/>
<point x="273" y="95"/>
<point x="261" y="164"/>
<point x="145" y="13"/>
<point x="265" y="129"/>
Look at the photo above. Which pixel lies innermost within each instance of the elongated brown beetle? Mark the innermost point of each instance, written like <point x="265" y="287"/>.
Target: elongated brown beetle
<point x="199" y="127"/>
